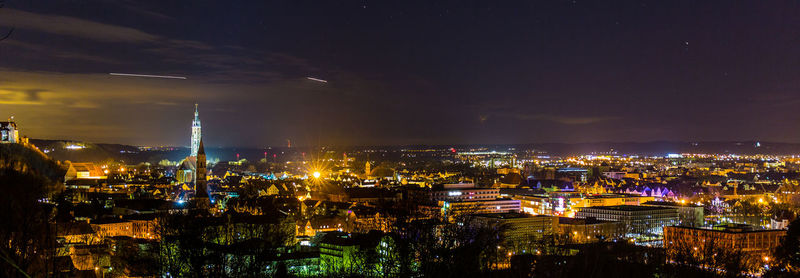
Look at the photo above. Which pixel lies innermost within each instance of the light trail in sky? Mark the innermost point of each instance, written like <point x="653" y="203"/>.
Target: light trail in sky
<point x="316" y="79"/>
<point x="147" y="75"/>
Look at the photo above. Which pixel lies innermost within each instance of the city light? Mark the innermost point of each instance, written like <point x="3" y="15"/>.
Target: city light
<point x="408" y="139"/>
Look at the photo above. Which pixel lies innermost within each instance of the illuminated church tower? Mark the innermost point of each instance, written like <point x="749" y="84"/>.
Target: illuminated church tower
<point x="200" y="193"/>
<point x="195" y="132"/>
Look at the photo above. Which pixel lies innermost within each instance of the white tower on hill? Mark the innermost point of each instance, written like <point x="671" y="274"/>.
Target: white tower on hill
<point x="195" y="132"/>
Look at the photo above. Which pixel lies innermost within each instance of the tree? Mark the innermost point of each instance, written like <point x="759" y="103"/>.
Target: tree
<point x="787" y="255"/>
<point x="196" y="244"/>
<point x="27" y="178"/>
<point x="710" y="258"/>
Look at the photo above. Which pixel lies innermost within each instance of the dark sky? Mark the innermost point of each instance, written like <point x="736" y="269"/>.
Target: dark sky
<point x="403" y="72"/>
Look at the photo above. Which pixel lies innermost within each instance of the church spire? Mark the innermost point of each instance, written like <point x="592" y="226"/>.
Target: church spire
<point x="200" y="191"/>
<point x="200" y="149"/>
<point x="196" y="131"/>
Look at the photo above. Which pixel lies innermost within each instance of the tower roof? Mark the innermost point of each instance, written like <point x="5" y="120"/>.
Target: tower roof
<point x="200" y="149"/>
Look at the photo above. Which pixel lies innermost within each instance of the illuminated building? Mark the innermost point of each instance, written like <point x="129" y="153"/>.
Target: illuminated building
<point x="86" y="170"/>
<point x="751" y="240"/>
<point x="112" y="227"/>
<point x="463" y="192"/>
<point x="9" y="132"/>
<point x="640" y="220"/>
<point x="485" y="206"/>
<point x="614" y="175"/>
<point x="321" y="225"/>
<point x="466" y="198"/>
<point x="186" y="170"/>
<point x="80" y="233"/>
<point x="519" y="227"/>
<point x="272" y="190"/>
<point x="579" y="230"/>
<point x="200" y="193"/>
<point x="143" y="226"/>
<point x="366" y="219"/>
<point x="196" y="134"/>
<point x="340" y="251"/>
<point x="689" y="215"/>
<point x="566" y="204"/>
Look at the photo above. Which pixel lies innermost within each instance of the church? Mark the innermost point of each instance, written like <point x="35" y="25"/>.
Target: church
<point x="187" y="169"/>
<point x="192" y="170"/>
<point x="9" y="132"/>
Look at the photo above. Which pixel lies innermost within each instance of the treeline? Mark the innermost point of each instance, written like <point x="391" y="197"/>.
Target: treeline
<point x="26" y="178"/>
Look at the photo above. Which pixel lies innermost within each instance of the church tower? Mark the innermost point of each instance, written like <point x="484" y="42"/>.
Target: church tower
<point x="195" y="132"/>
<point x="200" y="193"/>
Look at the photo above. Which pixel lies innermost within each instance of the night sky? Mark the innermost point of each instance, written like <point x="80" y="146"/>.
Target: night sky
<point x="403" y="72"/>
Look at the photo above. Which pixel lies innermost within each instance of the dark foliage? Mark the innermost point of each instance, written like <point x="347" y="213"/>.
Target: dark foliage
<point x="26" y="177"/>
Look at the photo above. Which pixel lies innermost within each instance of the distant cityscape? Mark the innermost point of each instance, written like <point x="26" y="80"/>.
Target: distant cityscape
<point x="409" y="139"/>
<point x="350" y="210"/>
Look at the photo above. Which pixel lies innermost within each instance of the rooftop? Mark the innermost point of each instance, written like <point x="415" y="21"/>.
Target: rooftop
<point x="581" y="221"/>
<point x="509" y="215"/>
<point x="733" y="228"/>
<point x="625" y="208"/>
<point x="477" y="201"/>
<point x="670" y="204"/>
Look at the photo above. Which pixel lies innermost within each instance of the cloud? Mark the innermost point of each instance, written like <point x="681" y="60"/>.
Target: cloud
<point x="96" y="51"/>
<point x="137" y="7"/>
<point x="33" y="51"/>
<point x="39" y="96"/>
<point x="567" y="120"/>
<point x="86" y="29"/>
<point x="31" y="94"/>
<point x="71" y="26"/>
<point x="21" y="96"/>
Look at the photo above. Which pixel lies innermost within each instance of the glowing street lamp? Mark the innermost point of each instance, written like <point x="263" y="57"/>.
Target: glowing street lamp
<point x="316" y="174"/>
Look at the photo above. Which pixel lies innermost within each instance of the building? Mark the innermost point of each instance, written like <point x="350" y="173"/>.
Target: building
<point x="640" y="221"/>
<point x="754" y="242"/>
<point x="343" y="253"/>
<point x="566" y="204"/>
<point x="143" y="226"/>
<point x="451" y="193"/>
<point x="112" y="227"/>
<point x="465" y="198"/>
<point x="479" y="207"/>
<point x="9" y="132"/>
<point x="321" y="224"/>
<point x="587" y="230"/>
<point x="519" y="227"/>
<point x="85" y="170"/>
<point x="185" y="173"/>
<point x="614" y="175"/>
<point x="689" y="215"/>
<point x="364" y="219"/>
<point x="196" y="134"/>
<point x="200" y="191"/>
<point x="272" y="190"/>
